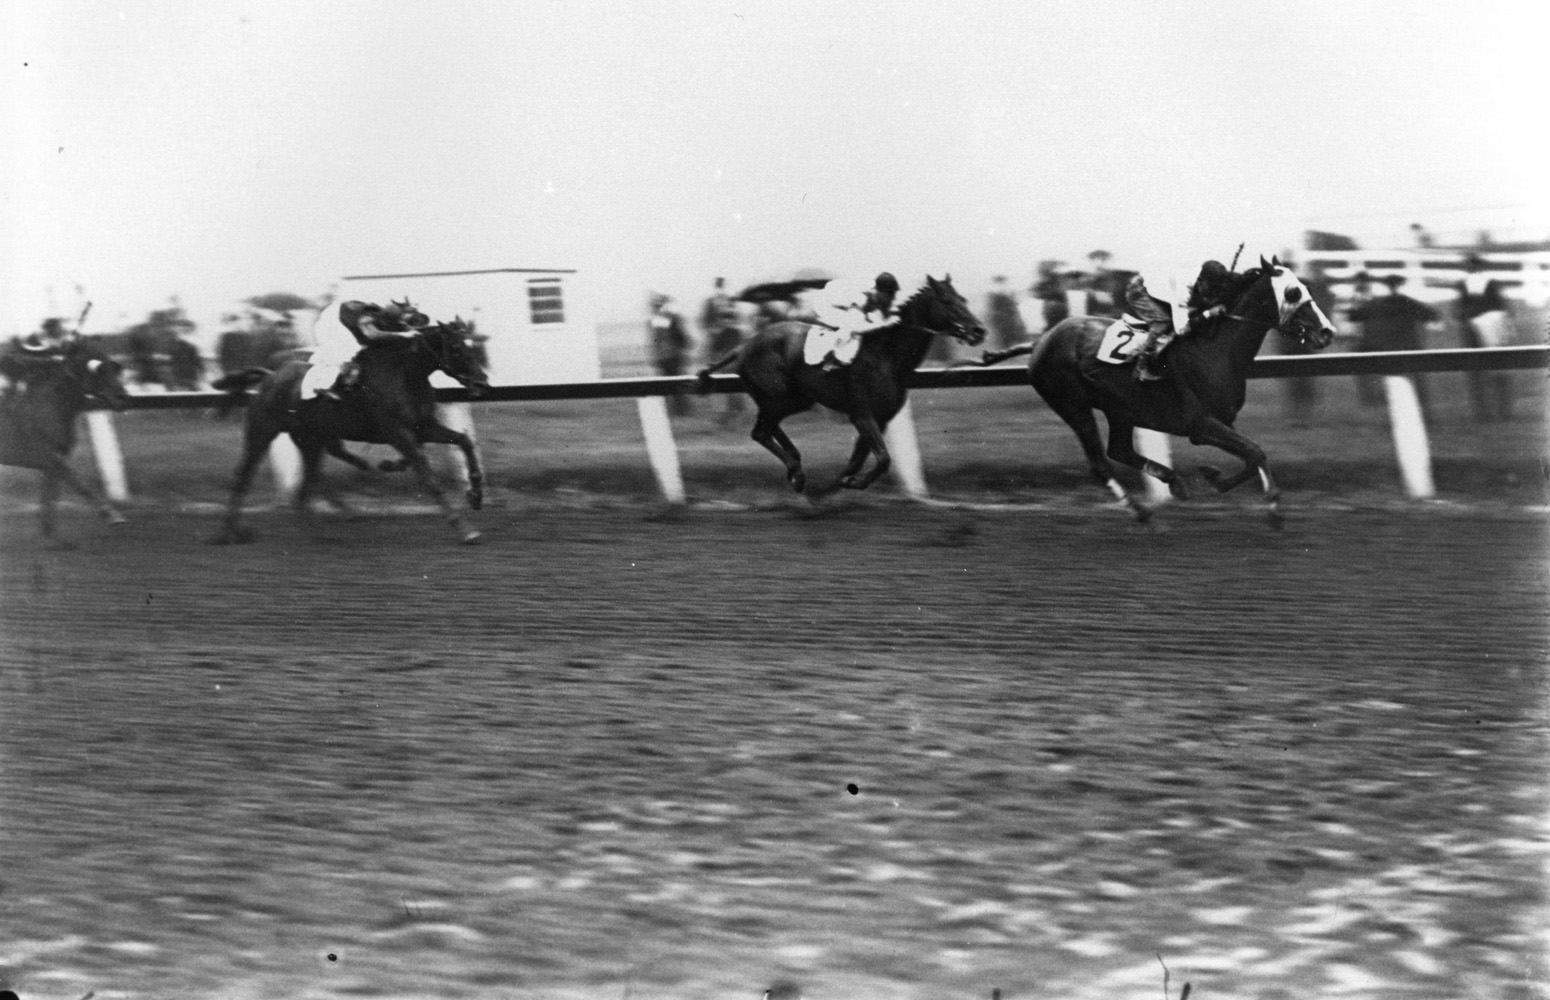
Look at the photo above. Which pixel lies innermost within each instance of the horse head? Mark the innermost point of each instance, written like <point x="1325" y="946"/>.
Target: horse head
<point x="939" y="307"/>
<point x="451" y="346"/>
<point x="1295" y="310"/>
<point x="98" y="376"/>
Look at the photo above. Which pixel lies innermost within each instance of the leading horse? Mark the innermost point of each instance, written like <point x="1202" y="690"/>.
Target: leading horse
<point x="38" y="424"/>
<point x="1203" y="388"/>
<point x="870" y="393"/>
<point x="392" y="402"/>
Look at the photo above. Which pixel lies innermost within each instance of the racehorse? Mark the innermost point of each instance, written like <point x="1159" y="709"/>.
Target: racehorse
<point x="870" y="393"/>
<point x="1203" y="387"/>
<point x="37" y="424"/>
<point x="391" y="402"/>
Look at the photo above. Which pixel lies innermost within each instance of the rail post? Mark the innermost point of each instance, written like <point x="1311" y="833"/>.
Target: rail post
<point x="661" y="449"/>
<point x="1411" y="446"/>
<point x="109" y="456"/>
<point x="904" y="450"/>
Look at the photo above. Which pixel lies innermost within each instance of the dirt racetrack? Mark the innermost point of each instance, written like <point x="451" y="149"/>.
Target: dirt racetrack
<point x="882" y="749"/>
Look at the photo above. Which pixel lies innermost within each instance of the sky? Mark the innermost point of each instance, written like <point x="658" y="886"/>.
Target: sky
<point x="213" y="150"/>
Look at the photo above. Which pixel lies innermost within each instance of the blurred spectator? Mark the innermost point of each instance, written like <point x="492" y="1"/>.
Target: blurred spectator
<point x="1302" y="394"/>
<point x="1482" y="314"/>
<point x="142" y="354"/>
<point x="1103" y="298"/>
<point x="670" y="347"/>
<point x="723" y="334"/>
<point x="1423" y="238"/>
<point x="1049" y="287"/>
<point x="185" y="368"/>
<point x="1394" y="322"/>
<point x="1368" y="390"/>
<point x="1006" y="323"/>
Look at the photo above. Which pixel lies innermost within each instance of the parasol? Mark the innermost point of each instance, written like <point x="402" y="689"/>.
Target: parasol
<point x="281" y="302"/>
<point x="784" y="286"/>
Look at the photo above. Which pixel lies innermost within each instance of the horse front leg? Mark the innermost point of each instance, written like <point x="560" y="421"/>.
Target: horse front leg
<point x="337" y="449"/>
<point x="1218" y="435"/>
<point x="870" y="441"/>
<point x="767" y="432"/>
<point x="408" y="446"/>
<point x="442" y="434"/>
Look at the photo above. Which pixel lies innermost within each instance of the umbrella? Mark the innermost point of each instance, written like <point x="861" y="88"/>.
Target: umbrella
<point x="281" y="302"/>
<point x="784" y="286"/>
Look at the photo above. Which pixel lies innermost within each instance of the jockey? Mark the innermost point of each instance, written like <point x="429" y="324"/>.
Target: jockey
<point x="845" y="310"/>
<point x="1185" y="307"/>
<point x="334" y="368"/>
<point x="26" y="356"/>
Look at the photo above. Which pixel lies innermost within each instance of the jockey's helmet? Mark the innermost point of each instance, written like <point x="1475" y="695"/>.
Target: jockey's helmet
<point x="887" y="282"/>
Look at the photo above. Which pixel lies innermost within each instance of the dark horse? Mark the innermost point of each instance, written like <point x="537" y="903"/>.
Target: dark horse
<point x="870" y="392"/>
<point x="37" y="424"/>
<point x="391" y="402"/>
<point x="1200" y="394"/>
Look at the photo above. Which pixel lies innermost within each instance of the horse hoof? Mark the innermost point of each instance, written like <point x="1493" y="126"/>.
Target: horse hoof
<point x="475" y="499"/>
<point x="114" y="518"/>
<point x="1142" y="513"/>
<point x="798" y="480"/>
<point x="470" y="537"/>
<point x="1276" y="518"/>
<point x="1178" y="489"/>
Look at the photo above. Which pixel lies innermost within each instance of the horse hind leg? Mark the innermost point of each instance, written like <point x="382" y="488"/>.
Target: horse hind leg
<point x="1082" y="421"/>
<point x="767" y="432"/>
<point x="255" y="445"/>
<point x="1122" y="449"/>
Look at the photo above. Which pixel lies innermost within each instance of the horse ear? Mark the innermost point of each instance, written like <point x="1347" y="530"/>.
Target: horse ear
<point x="1263" y="264"/>
<point x="1275" y="259"/>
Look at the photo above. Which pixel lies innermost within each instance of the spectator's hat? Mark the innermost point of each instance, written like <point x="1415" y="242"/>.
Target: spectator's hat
<point x="53" y="325"/>
<point x="1474" y="261"/>
<point x="658" y="299"/>
<point x="1393" y="280"/>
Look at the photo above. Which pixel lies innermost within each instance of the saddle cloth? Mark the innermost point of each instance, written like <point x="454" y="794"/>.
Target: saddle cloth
<point x="821" y="341"/>
<point x="1122" y="341"/>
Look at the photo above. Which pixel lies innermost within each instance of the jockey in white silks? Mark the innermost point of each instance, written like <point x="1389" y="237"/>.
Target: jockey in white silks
<point x="1190" y="299"/>
<point x="341" y="331"/>
<point x="845" y="310"/>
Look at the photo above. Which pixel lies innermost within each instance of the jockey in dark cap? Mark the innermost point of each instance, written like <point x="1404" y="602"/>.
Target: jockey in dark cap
<point x="1193" y="304"/>
<point x="24" y="357"/>
<point x="334" y="368"/>
<point x="845" y="310"/>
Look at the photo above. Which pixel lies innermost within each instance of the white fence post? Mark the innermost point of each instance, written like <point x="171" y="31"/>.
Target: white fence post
<point x="285" y="463"/>
<point x="904" y="449"/>
<point x="110" y="458"/>
<point x="1410" y="442"/>
<point x="459" y="417"/>
<point x="660" y="447"/>
<point x="1156" y="446"/>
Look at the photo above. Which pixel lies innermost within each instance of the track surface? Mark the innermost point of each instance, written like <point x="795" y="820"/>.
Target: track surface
<point x="607" y="754"/>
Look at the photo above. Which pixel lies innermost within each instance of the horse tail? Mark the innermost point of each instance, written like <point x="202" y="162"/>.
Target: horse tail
<point x="704" y="374"/>
<point x="996" y="357"/>
<point x="236" y="386"/>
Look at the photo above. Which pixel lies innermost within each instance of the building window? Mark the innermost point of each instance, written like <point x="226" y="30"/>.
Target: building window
<point x="545" y="301"/>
